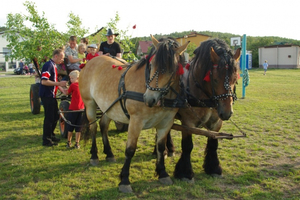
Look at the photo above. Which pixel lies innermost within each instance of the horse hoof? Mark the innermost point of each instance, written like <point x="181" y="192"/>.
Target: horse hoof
<point x="166" y="181"/>
<point x="94" y="162"/>
<point x="190" y="181"/>
<point x="112" y="159"/>
<point x="125" y="188"/>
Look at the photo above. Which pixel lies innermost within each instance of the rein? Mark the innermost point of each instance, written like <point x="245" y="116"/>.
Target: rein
<point x="164" y="90"/>
<point x="211" y="101"/>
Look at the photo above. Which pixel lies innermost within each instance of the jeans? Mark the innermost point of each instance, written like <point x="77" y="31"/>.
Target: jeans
<point x="51" y="118"/>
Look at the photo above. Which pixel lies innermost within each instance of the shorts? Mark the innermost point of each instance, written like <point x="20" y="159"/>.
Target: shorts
<point x="76" y="119"/>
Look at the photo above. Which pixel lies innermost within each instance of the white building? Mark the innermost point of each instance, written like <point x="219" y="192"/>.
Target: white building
<point x="280" y="56"/>
<point x="5" y="63"/>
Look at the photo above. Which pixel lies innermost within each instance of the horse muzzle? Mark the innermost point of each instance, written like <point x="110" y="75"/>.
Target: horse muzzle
<point x="152" y="98"/>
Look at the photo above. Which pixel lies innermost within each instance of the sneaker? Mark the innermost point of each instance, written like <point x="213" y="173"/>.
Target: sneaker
<point x="77" y="146"/>
<point x="55" y="139"/>
<point x="68" y="145"/>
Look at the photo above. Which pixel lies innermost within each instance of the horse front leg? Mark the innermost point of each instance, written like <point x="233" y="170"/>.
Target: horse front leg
<point x="183" y="169"/>
<point x="170" y="149"/>
<point x="211" y="162"/>
<point x="160" y="162"/>
<point x="134" y="130"/>
<point x="104" y="125"/>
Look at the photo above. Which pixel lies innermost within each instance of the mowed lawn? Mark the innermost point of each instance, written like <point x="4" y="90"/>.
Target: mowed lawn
<point x="265" y="165"/>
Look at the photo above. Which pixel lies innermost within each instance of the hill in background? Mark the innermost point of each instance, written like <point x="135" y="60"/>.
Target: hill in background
<point x="253" y="43"/>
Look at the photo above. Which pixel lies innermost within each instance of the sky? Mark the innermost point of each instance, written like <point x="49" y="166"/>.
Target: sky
<point x="253" y="18"/>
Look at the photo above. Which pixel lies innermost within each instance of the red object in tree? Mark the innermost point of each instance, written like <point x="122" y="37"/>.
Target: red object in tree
<point x="120" y="68"/>
<point x="134" y="27"/>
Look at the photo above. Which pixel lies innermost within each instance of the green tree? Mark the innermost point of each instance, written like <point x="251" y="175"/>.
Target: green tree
<point x="34" y="41"/>
<point x="75" y="26"/>
<point x="123" y="38"/>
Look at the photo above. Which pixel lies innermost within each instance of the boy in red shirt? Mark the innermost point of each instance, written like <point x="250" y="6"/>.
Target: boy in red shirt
<point x="76" y="104"/>
<point x="92" y="50"/>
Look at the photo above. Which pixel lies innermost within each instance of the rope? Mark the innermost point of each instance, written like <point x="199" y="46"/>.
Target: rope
<point x="244" y="134"/>
<point x="68" y="122"/>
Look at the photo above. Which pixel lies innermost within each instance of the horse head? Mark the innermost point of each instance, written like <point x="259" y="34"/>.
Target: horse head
<point x="223" y="79"/>
<point x="219" y="74"/>
<point x="164" y="67"/>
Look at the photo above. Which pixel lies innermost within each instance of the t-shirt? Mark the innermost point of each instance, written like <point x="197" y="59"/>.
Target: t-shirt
<point x="21" y="64"/>
<point x="49" y="72"/>
<point x="265" y="65"/>
<point x="112" y="49"/>
<point x="76" y="101"/>
<point x="71" y="52"/>
<point x="90" y="56"/>
<point x="80" y="56"/>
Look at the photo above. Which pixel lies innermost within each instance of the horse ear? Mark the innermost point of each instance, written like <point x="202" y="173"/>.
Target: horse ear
<point x="237" y="54"/>
<point x="182" y="48"/>
<point x="214" y="56"/>
<point x="154" y="41"/>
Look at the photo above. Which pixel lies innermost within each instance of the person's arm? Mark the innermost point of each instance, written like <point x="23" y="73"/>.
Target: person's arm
<point x="74" y="60"/>
<point x="119" y="55"/>
<point x="52" y="83"/>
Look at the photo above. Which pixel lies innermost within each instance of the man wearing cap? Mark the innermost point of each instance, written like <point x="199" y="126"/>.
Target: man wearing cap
<point x="110" y="47"/>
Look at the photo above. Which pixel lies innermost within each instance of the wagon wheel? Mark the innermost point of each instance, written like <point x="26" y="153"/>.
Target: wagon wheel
<point x="64" y="106"/>
<point x="121" y="127"/>
<point x="35" y="101"/>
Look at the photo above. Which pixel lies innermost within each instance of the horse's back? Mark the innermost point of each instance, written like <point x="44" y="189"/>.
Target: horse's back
<point x="99" y="80"/>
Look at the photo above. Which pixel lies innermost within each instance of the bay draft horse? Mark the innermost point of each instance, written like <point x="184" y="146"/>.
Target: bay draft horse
<point x="209" y="84"/>
<point x="105" y="83"/>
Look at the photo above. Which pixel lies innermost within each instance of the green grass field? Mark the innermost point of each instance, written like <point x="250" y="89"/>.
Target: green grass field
<point x="265" y="165"/>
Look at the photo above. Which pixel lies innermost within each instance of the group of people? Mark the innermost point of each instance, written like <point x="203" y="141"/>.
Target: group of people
<point x="29" y="68"/>
<point x="78" y="56"/>
<point x="49" y="84"/>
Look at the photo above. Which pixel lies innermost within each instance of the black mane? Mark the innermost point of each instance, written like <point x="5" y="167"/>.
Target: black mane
<point x="203" y="61"/>
<point x="164" y="56"/>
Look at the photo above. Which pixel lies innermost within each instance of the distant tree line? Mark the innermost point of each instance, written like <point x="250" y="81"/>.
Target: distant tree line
<point x="253" y="43"/>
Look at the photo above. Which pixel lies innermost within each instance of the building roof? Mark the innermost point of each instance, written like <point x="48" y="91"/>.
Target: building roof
<point x="145" y="45"/>
<point x="193" y="34"/>
<point x="280" y="45"/>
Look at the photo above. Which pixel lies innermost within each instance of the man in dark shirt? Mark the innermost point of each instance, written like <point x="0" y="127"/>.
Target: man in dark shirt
<point x="47" y="92"/>
<point x="110" y="47"/>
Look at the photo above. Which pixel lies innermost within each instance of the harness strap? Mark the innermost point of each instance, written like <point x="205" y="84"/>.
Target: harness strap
<point x="192" y="100"/>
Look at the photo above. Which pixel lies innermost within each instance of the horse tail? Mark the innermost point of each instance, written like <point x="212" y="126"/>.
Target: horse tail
<point x="85" y="131"/>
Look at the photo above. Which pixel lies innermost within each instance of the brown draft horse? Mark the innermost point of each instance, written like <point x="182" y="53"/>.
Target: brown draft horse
<point x="210" y="89"/>
<point x="105" y="83"/>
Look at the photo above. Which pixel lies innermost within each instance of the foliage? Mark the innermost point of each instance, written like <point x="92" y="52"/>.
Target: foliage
<point x="123" y="38"/>
<point x="253" y="43"/>
<point x="31" y="36"/>
<point x="75" y="27"/>
<point x="2" y="28"/>
<point x="265" y="165"/>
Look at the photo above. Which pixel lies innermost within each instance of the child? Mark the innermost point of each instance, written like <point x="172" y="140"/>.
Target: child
<point x="265" y="65"/>
<point x="76" y="104"/>
<point x="81" y="52"/>
<point x="92" y="50"/>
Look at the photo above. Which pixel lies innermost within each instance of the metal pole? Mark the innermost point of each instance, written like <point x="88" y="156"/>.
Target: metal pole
<point x="244" y="42"/>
